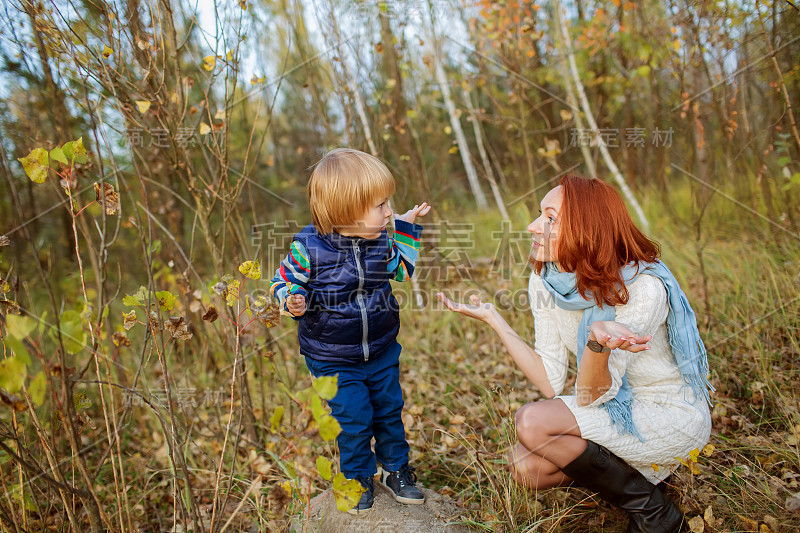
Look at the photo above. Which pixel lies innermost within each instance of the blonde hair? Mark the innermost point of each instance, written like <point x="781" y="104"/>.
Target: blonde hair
<point x="344" y="185"/>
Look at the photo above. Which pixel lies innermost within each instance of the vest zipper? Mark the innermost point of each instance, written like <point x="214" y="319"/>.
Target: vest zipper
<point x="360" y="301"/>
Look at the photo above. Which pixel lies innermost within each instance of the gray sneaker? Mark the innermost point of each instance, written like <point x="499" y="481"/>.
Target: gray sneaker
<point x="402" y="485"/>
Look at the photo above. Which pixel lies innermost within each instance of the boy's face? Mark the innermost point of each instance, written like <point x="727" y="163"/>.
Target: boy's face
<point x="374" y="220"/>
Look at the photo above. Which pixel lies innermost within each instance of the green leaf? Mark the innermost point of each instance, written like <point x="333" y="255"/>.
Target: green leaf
<point x="130" y="301"/>
<point x="18" y="348"/>
<point x="57" y="154"/>
<point x="783" y="160"/>
<point x="12" y="374"/>
<point x="326" y="386"/>
<point x="250" y="269"/>
<point x="305" y="396"/>
<point x="329" y="428"/>
<point x="166" y="300"/>
<point x="275" y="419"/>
<point x="324" y="467"/>
<point x="36" y="165"/>
<point x="72" y="333"/>
<point x="137" y="298"/>
<point x="75" y="151"/>
<point x="20" y="326"/>
<point x="347" y="492"/>
<point x="37" y="388"/>
<point x="643" y="71"/>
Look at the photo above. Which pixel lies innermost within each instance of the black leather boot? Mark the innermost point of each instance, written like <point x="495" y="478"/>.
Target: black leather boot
<point x="618" y="483"/>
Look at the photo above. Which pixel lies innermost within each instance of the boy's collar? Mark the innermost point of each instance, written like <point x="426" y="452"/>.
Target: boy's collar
<point x="343" y="241"/>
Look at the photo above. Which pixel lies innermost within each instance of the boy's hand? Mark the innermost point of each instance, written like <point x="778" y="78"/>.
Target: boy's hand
<point x="412" y="214"/>
<point x="296" y="304"/>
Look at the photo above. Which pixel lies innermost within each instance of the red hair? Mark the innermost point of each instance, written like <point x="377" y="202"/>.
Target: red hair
<point x="597" y="238"/>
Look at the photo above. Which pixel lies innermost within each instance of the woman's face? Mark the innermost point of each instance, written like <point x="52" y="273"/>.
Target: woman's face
<point x="544" y="230"/>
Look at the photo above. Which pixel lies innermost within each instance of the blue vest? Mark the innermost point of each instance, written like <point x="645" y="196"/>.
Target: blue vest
<point x="351" y="314"/>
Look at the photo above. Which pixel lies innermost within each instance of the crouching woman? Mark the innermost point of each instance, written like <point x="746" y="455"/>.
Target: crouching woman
<point x="598" y="290"/>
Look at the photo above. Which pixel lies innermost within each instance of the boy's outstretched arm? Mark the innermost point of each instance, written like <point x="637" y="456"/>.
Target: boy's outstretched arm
<point x="406" y="243"/>
<point x="290" y="283"/>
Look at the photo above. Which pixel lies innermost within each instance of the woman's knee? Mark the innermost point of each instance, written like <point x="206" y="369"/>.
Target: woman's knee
<point x="531" y="426"/>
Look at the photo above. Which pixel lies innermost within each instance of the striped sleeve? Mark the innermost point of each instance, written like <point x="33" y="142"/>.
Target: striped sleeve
<point x="292" y="275"/>
<point x="405" y="250"/>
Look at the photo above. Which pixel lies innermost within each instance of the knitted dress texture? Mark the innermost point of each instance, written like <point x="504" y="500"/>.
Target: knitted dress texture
<point x="669" y="418"/>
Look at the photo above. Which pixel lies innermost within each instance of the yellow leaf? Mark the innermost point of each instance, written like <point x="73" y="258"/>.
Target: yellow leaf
<point x="204" y="128"/>
<point x="681" y="461"/>
<point x="107" y="51"/>
<point x="143" y="106"/>
<point x="655" y="467"/>
<point x="209" y="62"/>
<point x="453" y="149"/>
<point x="347" y="492"/>
<point x="275" y="419"/>
<point x="694" y="454"/>
<point x="36" y="164"/>
<point x="329" y="427"/>
<point x="250" y="269"/>
<point x="676" y="45"/>
<point x="696" y="525"/>
<point x="324" y="467"/>
<point x="566" y="114"/>
<point x="220" y="114"/>
<point x="326" y="387"/>
<point x="708" y="449"/>
<point x="695" y="469"/>
<point x="448" y="130"/>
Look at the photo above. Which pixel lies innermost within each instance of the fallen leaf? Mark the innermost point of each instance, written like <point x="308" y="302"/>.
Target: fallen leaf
<point x="708" y="449"/>
<point x="708" y="516"/>
<point x="793" y="503"/>
<point x="748" y="523"/>
<point x="696" y="525"/>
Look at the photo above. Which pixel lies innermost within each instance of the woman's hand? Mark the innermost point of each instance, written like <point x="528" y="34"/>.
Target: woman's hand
<point x="476" y="309"/>
<point x="411" y="215"/>
<point x="618" y="337"/>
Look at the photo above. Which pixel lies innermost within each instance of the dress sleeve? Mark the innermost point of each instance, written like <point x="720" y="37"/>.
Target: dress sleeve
<point x="645" y="311"/>
<point x="547" y="341"/>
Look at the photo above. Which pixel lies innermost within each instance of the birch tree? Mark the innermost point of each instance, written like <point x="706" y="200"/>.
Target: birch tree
<point x="587" y="110"/>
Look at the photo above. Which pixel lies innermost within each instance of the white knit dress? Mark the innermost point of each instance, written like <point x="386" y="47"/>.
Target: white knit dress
<point x="669" y="418"/>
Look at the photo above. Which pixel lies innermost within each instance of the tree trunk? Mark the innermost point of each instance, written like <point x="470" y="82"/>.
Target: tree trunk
<point x="487" y="165"/>
<point x="626" y="191"/>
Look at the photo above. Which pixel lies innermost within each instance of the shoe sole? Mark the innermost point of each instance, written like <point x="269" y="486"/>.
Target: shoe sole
<point x="407" y="501"/>
<point x="356" y="512"/>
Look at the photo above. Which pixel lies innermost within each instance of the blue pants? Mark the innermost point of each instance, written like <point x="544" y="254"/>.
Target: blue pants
<point x="369" y="402"/>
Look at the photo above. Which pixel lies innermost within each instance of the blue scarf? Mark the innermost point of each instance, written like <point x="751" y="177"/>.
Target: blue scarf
<point x="684" y="338"/>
